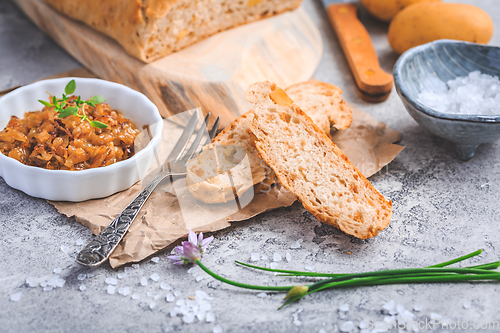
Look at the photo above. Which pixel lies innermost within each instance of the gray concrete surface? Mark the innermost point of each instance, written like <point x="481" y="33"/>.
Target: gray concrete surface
<point x="443" y="208"/>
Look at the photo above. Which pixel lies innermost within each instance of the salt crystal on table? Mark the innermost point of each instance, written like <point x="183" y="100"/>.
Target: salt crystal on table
<point x="273" y="265"/>
<point x="254" y="256"/>
<point x="127" y="270"/>
<point x="16" y="296"/>
<point x="32" y="281"/>
<point x="205" y="307"/>
<point x="135" y="266"/>
<point x="48" y="288"/>
<point x="388" y="306"/>
<point x="288" y="257"/>
<point x="152" y="305"/>
<point x="111" y="289"/>
<point x="264" y="257"/>
<point x="155" y="260"/>
<point x="321" y="330"/>
<point x="121" y="275"/>
<point x="210" y="317"/>
<point x="262" y="295"/>
<point x="149" y="294"/>
<point x="180" y="302"/>
<point x="59" y="282"/>
<point x="363" y="324"/>
<point x="296" y="245"/>
<point x="155" y="277"/>
<point x="309" y="268"/>
<point x="346" y="326"/>
<point x="199" y="278"/>
<point x="218" y="329"/>
<point x="79" y="241"/>
<point x="43" y="284"/>
<point x="200" y="295"/>
<point x="417" y="307"/>
<point x="173" y="312"/>
<point x="344" y="307"/>
<point x="57" y="270"/>
<point x="170" y="298"/>
<point x="177" y="293"/>
<point x="165" y="286"/>
<point x="144" y="281"/>
<point x="194" y="269"/>
<point x="64" y="248"/>
<point x="81" y="277"/>
<point x="136" y="296"/>
<point x="200" y="316"/>
<point x="125" y="291"/>
<point x="277" y="256"/>
<point x="112" y="281"/>
<point x="188" y="318"/>
<point x="466" y="305"/>
<point x="82" y="287"/>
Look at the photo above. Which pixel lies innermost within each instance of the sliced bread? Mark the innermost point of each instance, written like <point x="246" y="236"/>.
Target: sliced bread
<point x="323" y="103"/>
<point x="310" y="165"/>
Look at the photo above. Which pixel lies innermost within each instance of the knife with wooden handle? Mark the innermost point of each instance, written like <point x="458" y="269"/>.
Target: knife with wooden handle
<point x="373" y="84"/>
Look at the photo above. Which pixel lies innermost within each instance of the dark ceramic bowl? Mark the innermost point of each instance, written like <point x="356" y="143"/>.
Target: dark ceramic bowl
<point x="429" y="67"/>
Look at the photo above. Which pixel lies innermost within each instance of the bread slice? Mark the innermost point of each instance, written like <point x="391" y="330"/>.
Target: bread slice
<point x="151" y="29"/>
<point x="310" y="165"/>
<point x="323" y="103"/>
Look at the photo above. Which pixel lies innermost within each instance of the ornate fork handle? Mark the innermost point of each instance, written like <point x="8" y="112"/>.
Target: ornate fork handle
<point x="98" y="250"/>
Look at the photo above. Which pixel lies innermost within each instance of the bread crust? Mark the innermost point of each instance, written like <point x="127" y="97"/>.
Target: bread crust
<point x="151" y="29"/>
<point x="365" y="211"/>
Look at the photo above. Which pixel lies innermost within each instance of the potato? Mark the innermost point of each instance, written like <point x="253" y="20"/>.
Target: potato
<point x="429" y="21"/>
<point x="385" y="10"/>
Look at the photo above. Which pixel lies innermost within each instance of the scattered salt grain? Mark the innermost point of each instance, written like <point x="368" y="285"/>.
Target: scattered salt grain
<point x="165" y="286"/>
<point x="346" y="326"/>
<point x="155" y="260"/>
<point x="56" y="281"/>
<point x="127" y="270"/>
<point x="254" y="257"/>
<point x="210" y="317"/>
<point x="152" y="305"/>
<point x="199" y="278"/>
<point x="57" y="270"/>
<point x="309" y="268"/>
<point x="155" y="277"/>
<point x="144" y="281"/>
<point x="262" y="295"/>
<point x="288" y="257"/>
<point x="466" y="305"/>
<point x="32" y="281"/>
<point x="112" y="281"/>
<point x="193" y="270"/>
<point x="264" y="257"/>
<point x="200" y="295"/>
<point x="344" y="307"/>
<point x="125" y="291"/>
<point x="48" y="288"/>
<point x="177" y="293"/>
<point x="363" y="324"/>
<point x="43" y="284"/>
<point x="121" y="275"/>
<point x="277" y="256"/>
<point x="218" y="329"/>
<point x="111" y="289"/>
<point x="417" y="307"/>
<point x="82" y="287"/>
<point x="389" y="306"/>
<point x="136" y="296"/>
<point x="473" y="94"/>
<point x="273" y="265"/>
<point x="135" y="266"/>
<point x="321" y="330"/>
<point x="296" y="245"/>
<point x="81" y="277"/>
<point x="64" y="248"/>
<point x="170" y="298"/>
<point x="149" y="294"/>
<point x="79" y="241"/>
<point x="16" y="296"/>
<point x="188" y="318"/>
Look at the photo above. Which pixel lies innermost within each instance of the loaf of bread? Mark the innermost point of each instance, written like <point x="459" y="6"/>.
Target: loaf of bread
<point x="322" y="102"/>
<point x="310" y="165"/>
<point x="151" y="29"/>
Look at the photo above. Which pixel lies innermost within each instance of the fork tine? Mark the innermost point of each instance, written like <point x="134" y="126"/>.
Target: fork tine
<point x="193" y="150"/>
<point x="181" y="144"/>
<point x="211" y="135"/>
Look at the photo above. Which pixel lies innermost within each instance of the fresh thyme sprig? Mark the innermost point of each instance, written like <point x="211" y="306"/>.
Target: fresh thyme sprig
<point x="73" y="110"/>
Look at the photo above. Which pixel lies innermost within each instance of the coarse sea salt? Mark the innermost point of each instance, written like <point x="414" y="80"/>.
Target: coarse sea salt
<point x="111" y="289"/>
<point x="347" y="326"/>
<point x="476" y="93"/>
<point x="155" y="277"/>
<point x="288" y="257"/>
<point x="165" y="286"/>
<point x="254" y="256"/>
<point x="155" y="260"/>
<point x="32" y="281"/>
<point x="170" y="298"/>
<point x="218" y="329"/>
<point x="144" y="281"/>
<point x="81" y="277"/>
<point x="112" y="281"/>
<point x="16" y="296"/>
<point x="277" y="256"/>
<point x="82" y="287"/>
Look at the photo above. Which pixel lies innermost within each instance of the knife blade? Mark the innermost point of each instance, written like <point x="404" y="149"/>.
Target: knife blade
<point x="373" y="84"/>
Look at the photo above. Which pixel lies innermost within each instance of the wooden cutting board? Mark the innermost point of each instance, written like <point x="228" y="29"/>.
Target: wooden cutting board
<point x="212" y="74"/>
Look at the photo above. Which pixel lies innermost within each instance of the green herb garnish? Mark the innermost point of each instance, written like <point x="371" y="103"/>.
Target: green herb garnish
<point x="74" y="110"/>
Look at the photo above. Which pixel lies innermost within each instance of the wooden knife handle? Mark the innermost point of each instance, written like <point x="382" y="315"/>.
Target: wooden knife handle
<point x="374" y="84"/>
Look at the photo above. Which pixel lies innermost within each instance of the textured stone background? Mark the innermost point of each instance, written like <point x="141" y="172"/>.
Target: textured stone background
<point x="443" y="208"/>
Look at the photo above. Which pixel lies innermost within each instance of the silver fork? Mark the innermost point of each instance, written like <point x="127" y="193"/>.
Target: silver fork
<point x="99" y="250"/>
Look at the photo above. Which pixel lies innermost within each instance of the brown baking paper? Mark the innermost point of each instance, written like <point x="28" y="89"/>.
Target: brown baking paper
<point x="368" y="143"/>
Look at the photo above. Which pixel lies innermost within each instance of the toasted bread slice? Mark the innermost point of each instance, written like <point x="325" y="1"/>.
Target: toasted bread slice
<point x="310" y="165"/>
<point x="323" y="103"/>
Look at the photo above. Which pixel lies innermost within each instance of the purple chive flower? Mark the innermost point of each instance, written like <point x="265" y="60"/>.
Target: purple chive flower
<point x="191" y="250"/>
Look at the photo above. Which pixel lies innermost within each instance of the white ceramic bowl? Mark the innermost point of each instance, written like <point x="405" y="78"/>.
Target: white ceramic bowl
<point x="63" y="185"/>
